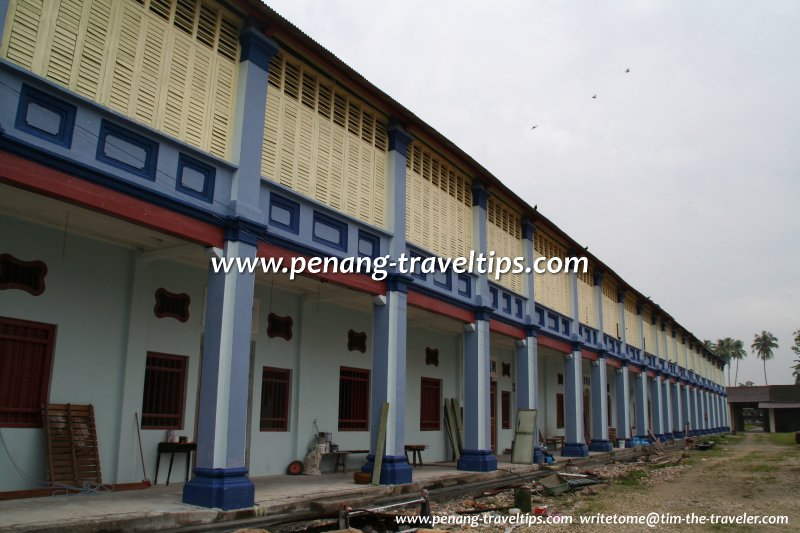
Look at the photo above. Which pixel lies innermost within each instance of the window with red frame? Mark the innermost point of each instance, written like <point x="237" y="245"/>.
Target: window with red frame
<point x="164" y="391"/>
<point x="26" y="358"/>
<point x="559" y="410"/>
<point x="353" y="399"/>
<point x="505" y="409"/>
<point x="430" y="401"/>
<point x="275" y="389"/>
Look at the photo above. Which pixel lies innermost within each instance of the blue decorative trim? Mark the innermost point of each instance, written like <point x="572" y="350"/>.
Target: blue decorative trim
<point x="244" y="230"/>
<point x="209" y="174"/>
<point x="678" y="434"/>
<point x="574" y="449"/>
<point x="220" y="488"/>
<point x="483" y="313"/>
<point x="518" y="305"/>
<point x="366" y="239"/>
<point x="66" y="113"/>
<point x="507" y="303"/>
<point x="398" y="282"/>
<point x="600" y="445"/>
<point x="399" y="139"/>
<point x="79" y="170"/>
<point x="150" y="147"/>
<point x="629" y="443"/>
<point x="256" y="47"/>
<point x="465" y="285"/>
<point x="495" y="294"/>
<point x="669" y="436"/>
<point x="338" y="226"/>
<point x="395" y="469"/>
<point x="446" y="283"/>
<point x="477" y="461"/>
<point x="417" y="272"/>
<point x="480" y="196"/>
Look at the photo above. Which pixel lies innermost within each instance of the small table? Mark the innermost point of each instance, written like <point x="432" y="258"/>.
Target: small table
<point x="557" y="442"/>
<point x="416" y="452"/>
<point x="341" y="458"/>
<point x="173" y="448"/>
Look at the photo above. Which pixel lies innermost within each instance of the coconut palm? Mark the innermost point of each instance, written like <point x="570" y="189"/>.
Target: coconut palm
<point x="737" y="352"/>
<point x="796" y="372"/>
<point x="762" y="346"/>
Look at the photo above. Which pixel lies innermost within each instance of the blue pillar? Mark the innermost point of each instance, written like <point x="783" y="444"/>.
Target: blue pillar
<point x="221" y="474"/>
<point x="623" y="405"/>
<point x="657" y="407"/>
<point x="600" y="442"/>
<point x="686" y="404"/>
<point x="574" y="445"/>
<point x="677" y="411"/>
<point x="527" y="384"/>
<point x="642" y="416"/>
<point x="695" y="411"/>
<point x="389" y="338"/>
<point x="725" y="412"/>
<point x="667" y="401"/>
<point x="477" y="455"/>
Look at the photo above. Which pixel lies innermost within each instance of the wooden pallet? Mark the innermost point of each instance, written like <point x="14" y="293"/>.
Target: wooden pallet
<point x="71" y="439"/>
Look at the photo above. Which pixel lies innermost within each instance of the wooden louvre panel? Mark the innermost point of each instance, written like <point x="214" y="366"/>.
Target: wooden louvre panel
<point x="323" y="143"/>
<point x="552" y="290"/>
<point x="438" y="204"/>
<point x="587" y="299"/>
<point x="671" y="348"/>
<point x="71" y="440"/>
<point x="633" y="326"/>
<point x="169" y="64"/>
<point x="610" y="309"/>
<point x="504" y="237"/>
<point x="649" y="331"/>
<point x="682" y="354"/>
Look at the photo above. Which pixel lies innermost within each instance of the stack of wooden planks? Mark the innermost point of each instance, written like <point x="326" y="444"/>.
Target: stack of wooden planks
<point x="71" y="439"/>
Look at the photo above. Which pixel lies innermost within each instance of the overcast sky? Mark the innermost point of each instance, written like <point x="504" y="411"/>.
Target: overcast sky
<point x="682" y="175"/>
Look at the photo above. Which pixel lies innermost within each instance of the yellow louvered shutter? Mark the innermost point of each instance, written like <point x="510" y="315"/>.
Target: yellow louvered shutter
<point x="610" y="310"/>
<point x="504" y="237"/>
<point x="649" y="335"/>
<point x="438" y="205"/>
<point x="169" y="64"/>
<point x="587" y="300"/>
<point x="552" y="290"/>
<point x="321" y="143"/>
<point x="633" y="330"/>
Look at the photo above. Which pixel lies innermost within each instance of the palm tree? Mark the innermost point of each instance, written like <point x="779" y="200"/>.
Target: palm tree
<point x="737" y="352"/>
<point x="796" y="372"/>
<point x="762" y="346"/>
<point x="722" y="350"/>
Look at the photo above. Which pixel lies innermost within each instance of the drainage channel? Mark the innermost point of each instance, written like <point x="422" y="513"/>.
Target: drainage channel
<point x="297" y="518"/>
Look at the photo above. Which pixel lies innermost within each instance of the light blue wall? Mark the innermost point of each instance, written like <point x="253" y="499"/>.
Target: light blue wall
<point x="86" y="298"/>
<point x="450" y="361"/>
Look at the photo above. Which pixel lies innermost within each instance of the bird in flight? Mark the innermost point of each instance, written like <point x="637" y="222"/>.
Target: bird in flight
<point x="627" y="70"/>
<point x="534" y="127"/>
<point x="595" y="97"/>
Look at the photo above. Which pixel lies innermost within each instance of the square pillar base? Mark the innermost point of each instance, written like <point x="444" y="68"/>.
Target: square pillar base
<point x="477" y="461"/>
<point x="599" y="445"/>
<point x="574" y="449"/>
<point x="678" y="434"/>
<point x="669" y="436"/>
<point x="395" y="469"/>
<point x="220" y="488"/>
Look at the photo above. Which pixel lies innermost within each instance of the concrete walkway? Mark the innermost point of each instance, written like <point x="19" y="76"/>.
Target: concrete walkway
<point x="160" y="507"/>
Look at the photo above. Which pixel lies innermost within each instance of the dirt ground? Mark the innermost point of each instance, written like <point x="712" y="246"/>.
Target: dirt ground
<point x="748" y="473"/>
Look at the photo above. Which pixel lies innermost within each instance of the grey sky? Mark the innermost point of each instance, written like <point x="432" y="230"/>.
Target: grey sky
<point x="682" y="175"/>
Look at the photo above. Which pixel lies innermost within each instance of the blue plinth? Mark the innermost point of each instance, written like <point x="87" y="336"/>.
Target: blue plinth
<point x="599" y="445"/>
<point x="574" y="449"/>
<point x="629" y="443"/>
<point x="220" y="488"/>
<point x="477" y="461"/>
<point x="395" y="469"/>
<point x="678" y="434"/>
<point x="669" y="436"/>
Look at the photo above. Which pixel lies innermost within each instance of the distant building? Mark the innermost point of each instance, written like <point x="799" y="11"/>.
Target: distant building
<point x="779" y="403"/>
<point x="139" y="138"/>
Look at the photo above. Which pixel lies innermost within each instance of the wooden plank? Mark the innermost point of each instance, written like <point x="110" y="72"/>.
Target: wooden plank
<point x="459" y="423"/>
<point x="380" y="445"/>
<point x="450" y="426"/>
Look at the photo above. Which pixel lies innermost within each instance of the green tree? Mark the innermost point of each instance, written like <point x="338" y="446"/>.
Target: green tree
<point x="796" y="350"/>
<point x="762" y="347"/>
<point x="721" y="349"/>
<point x="737" y="352"/>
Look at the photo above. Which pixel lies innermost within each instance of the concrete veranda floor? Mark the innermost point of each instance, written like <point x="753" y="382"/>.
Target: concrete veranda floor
<point x="160" y="507"/>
